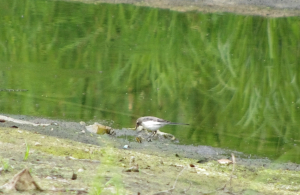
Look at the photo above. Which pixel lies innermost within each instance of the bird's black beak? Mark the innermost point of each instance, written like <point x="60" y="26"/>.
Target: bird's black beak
<point x="137" y="125"/>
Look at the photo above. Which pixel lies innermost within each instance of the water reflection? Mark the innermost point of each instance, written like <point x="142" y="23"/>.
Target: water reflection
<point x="233" y="78"/>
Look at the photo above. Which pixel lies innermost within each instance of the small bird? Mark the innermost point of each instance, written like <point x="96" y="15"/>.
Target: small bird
<point x="152" y="123"/>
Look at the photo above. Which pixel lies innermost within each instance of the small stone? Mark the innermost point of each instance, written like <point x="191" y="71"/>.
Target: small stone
<point x="74" y="176"/>
<point x="48" y="177"/>
<point x="132" y="159"/>
<point x="224" y="161"/>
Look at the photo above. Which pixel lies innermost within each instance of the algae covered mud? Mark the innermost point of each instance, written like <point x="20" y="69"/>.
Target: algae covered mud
<point x="105" y="167"/>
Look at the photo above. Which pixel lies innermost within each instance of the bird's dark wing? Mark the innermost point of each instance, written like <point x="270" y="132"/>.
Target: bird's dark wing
<point x="162" y="120"/>
<point x="152" y="118"/>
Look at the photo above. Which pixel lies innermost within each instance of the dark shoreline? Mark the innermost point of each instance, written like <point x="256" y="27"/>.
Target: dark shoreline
<point x="265" y="8"/>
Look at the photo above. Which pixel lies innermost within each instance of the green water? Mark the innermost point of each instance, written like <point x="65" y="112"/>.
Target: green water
<point x="234" y="78"/>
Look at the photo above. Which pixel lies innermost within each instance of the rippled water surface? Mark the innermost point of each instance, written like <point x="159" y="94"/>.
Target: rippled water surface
<point x="234" y="78"/>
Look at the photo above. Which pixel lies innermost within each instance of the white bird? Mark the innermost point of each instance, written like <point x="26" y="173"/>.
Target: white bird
<point x="152" y="123"/>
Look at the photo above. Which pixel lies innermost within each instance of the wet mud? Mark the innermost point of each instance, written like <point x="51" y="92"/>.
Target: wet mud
<point x="160" y="145"/>
<point x="103" y="166"/>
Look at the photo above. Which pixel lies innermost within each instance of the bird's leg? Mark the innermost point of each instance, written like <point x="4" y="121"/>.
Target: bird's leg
<point x="153" y="134"/>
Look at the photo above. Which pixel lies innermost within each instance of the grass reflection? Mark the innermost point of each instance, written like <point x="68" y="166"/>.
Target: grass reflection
<point x="234" y="78"/>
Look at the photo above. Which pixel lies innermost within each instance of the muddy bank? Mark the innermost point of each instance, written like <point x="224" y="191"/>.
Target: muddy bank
<point x="268" y="8"/>
<point x="102" y="166"/>
<point x="77" y="132"/>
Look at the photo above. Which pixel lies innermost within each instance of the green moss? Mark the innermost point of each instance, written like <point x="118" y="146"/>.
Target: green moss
<point x="156" y="173"/>
<point x="50" y="144"/>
